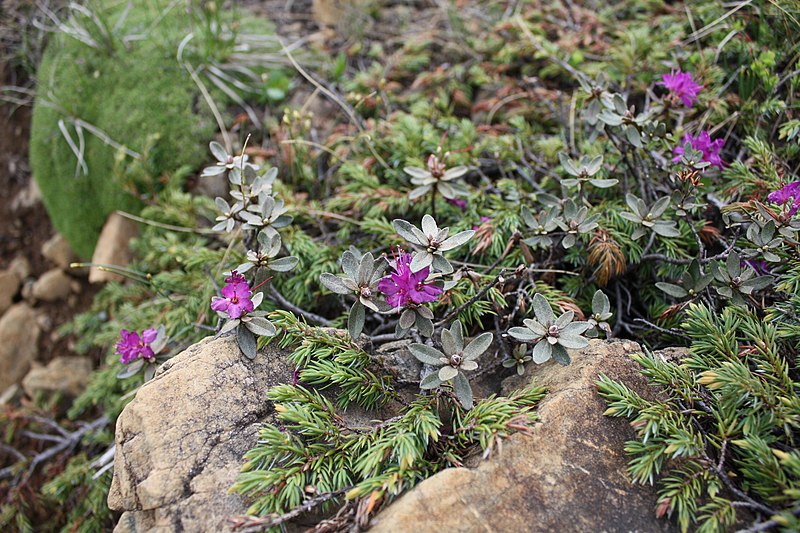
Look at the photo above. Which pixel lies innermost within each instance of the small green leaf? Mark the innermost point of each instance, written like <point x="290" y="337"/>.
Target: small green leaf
<point x="673" y="290"/>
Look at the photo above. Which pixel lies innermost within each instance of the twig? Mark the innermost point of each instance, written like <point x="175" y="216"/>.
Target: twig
<point x="677" y="261"/>
<point x="62" y="444"/>
<point x="252" y="524"/>
<point x="377" y="339"/>
<point x="293" y="308"/>
<point x="769" y="524"/>
<point x="558" y="61"/>
<point x="498" y="279"/>
<point x="674" y="332"/>
<point x="723" y="476"/>
<point x="357" y="121"/>
<point x="10" y="450"/>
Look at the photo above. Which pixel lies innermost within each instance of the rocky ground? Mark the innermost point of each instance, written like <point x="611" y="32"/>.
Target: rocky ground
<point x="181" y="439"/>
<point x="38" y="290"/>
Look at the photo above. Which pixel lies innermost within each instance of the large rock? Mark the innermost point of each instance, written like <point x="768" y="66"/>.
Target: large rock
<point x="180" y="442"/>
<point x="112" y="248"/>
<point x="19" y="336"/>
<point x="66" y="375"/>
<point x="568" y="474"/>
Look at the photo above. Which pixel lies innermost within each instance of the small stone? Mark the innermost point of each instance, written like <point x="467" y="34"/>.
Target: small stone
<point x="65" y="375"/>
<point x="45" y="322"/>
<point x="21" y="267"/>
<point x="335" y="12"/>
<point x="9" y="286"/>
<point x="52" y="286"/>
<point x="11" y="395"/>
<point x="396" y="358"/>
<point x="57" y="250"/>
<point x="19" y="337"/>
<point x="27" y="198"/>
<point x="112" y="248"/>
<point x="27" y="290"/>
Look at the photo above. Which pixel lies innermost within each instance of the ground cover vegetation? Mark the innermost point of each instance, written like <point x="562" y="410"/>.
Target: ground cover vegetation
<point x="497" y="191"/>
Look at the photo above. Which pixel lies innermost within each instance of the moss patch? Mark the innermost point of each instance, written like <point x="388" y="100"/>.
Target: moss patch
<point x="136" y="93"/>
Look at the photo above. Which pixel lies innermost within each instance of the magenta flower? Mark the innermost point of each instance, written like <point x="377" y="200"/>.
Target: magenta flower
<point x="458" y="203"/>
<point x="789" y="193"/>
<point x="681" y="85"/>
<point x="404" y="288"/>
<point x="761" y="267"/>
<point x="131" y="347"/>
<point x="702" y="143"/>
<point x="235" y="277"/>
<point x="235" y="299"/>
<point x="483" y="219"/>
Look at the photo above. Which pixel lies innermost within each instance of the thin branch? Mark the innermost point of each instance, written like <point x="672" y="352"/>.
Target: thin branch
<point x="498" y="279"/>
<point x="252" y="524"/>
<point x="769" y="524"/>
<point x="297" y="310"/>
<point x="674" y="332"/>
<point x="723" y="476"/>
<point x="62" y="444"/>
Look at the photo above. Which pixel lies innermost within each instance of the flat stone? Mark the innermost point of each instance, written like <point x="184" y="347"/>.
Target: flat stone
<point x="65" y="375"/>
<point x="57" y="250"/>
<point x="112" y="248"/>
<point x="52" y="286"/>
<point x="19" y="336"/>
<point x="397" y="359"/>
<point x="20" y="266"/>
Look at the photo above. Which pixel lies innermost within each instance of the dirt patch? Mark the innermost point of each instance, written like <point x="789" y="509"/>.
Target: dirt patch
<point x="24" y="224"/>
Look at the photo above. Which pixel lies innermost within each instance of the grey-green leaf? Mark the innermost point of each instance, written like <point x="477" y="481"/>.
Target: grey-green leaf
<point x="478" y="345"/>
<point x="542" y="310"/>
<point x="426" y="354"/>
<point x="334" y="283"/>
<point x="463" y="390"/>
<point x="247" y="342"/>
<point x="284" y="264"/>
<point x="431" y="381"/>
<point x="355" y="322"/>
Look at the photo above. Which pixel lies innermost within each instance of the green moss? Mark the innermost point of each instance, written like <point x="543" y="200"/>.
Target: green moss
<point x="139" y="95"/>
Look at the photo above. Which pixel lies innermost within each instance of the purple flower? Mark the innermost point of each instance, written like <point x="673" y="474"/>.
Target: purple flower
<point x="786" y="194"/>
<point x="235" y="277"/>
<point x="458" y="203"/>
<point x="131" y="347"/>
<point x="404" y="288"/>
<point x="681" y="85"/>
<point x="235" y="299"/>
<point x="702" y="143"/>
<point x="761" y="267"/>
<point x="483" y="219"/>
